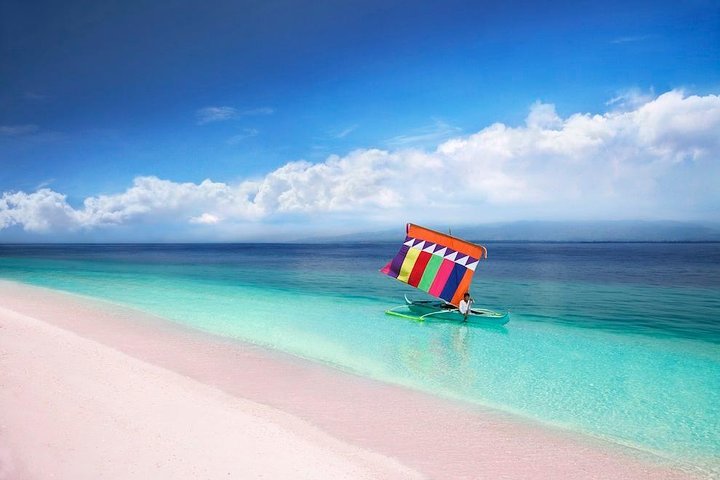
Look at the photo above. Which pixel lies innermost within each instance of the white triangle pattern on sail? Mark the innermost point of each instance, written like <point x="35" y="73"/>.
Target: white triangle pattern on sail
<point x="429" y="247"/>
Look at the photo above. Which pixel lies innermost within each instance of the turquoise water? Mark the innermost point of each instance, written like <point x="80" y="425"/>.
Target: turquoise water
<point x="620" y="341"/>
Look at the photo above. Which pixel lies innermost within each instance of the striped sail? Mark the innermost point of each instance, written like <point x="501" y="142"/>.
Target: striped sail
<point x="433" y="262"/>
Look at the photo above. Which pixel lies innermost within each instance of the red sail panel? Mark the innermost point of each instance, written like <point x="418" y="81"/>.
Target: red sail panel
<point x="419" y="268"/>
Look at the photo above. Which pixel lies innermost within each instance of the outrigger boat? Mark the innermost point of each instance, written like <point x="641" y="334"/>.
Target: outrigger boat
<point x="442" y="266"/>
<point x="422" y="310"/>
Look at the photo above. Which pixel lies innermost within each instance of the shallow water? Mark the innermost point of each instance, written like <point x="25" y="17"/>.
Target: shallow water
<point x="620" y="341"/>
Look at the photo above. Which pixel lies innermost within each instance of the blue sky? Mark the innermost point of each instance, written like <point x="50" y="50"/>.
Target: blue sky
<point x="97" y="94"/>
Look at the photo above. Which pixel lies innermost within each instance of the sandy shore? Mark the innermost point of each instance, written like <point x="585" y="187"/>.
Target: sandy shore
<point x="75" y="409"/>
<point x="91" y="390"/>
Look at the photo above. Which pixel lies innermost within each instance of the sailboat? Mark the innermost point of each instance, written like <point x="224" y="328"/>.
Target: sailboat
<point x="442" y="266"/>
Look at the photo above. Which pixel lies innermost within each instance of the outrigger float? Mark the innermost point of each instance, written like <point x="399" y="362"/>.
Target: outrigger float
<point x="442" y="266"/>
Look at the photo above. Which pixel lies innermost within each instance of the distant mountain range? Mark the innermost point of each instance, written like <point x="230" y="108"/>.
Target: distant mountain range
<point x="548" y="231"/>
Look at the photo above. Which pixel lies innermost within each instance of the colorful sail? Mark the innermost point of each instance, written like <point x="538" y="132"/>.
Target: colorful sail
<point x="433" y="262"/>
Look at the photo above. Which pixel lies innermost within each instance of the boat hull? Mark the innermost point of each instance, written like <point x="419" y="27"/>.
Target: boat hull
<point x="438" y="311"/>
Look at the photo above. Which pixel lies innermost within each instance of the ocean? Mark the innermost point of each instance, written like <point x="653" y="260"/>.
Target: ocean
<point x="620" y="341"/>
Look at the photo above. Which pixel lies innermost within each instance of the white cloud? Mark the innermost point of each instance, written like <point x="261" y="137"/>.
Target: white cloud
<point x="543" y="115"/>
<point x="206" y="218"/>
<point x="44" y="183"/>
<point x="631" y="39"/>
<point x="215" y="114"/>
<point x="246" y="133"/>
<point x="630" y="99"/>
<point x="258" y="111"/>
<point x="40" y="211"/>
<point x="17" y="130"/>
<point x="344" y="133"/>
<point x="658" y="160"/>
<point x="219" y="114"/>
<point x="422" y="136"/>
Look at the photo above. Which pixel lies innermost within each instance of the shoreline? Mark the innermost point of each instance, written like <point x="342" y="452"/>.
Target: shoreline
<point x="395" y="429"/>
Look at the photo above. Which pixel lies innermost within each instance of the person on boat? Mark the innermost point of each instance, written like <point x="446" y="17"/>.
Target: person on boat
<point x="465" y="305"/>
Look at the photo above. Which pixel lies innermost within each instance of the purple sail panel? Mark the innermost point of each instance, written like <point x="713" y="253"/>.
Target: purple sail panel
<point x="392" y="269"/>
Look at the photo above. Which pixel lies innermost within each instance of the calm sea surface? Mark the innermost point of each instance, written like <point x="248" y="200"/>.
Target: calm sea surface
<point x="621" y="341"/>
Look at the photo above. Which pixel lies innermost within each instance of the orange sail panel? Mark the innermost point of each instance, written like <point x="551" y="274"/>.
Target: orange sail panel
<point x="437" y="263"/>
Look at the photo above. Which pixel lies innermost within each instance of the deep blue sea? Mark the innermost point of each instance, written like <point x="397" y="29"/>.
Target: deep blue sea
<point x="616" y="340"/>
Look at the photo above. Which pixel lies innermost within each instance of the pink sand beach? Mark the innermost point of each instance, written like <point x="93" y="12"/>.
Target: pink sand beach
<point x="92" y="390"/>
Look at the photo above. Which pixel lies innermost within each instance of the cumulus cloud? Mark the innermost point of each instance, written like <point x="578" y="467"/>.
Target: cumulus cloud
<point x="42" y="210"/>
<point x="543" y="115"/>
<point x="658" y="160"/>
